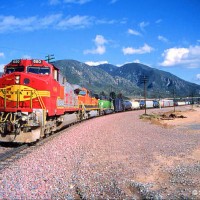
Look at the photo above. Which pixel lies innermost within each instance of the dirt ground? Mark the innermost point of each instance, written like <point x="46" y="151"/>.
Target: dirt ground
<point x="182" y="117"/>
<point x="190" y="116"/>
<point x="183" y="165"/>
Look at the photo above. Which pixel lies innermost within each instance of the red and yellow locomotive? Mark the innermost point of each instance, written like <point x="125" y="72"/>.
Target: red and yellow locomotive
<point x="36" y="99"/>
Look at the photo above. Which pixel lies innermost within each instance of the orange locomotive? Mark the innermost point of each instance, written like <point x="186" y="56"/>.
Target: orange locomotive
<point x="36" y="99"/>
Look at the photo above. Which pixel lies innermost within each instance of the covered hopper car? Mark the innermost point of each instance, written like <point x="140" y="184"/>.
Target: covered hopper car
<point x="127" y="105"/>
<point x="135" y="105"/>
<point x="166" y="103"/>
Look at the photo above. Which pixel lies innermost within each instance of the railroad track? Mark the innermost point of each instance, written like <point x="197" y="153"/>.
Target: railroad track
<point x="16" y="153"/>
<point x="11" y="152"/>
<point x="11" y="155"/>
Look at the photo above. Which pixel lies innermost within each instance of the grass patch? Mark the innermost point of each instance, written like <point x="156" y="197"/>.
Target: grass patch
<point x="155" y="118"/>
<point x="150" y="116"/>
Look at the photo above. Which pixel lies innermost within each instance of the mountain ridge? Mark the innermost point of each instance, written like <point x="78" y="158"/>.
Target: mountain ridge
<point x="126" y="79"/>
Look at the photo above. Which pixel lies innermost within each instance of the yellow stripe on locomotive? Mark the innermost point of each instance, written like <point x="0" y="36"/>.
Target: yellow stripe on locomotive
<point x="21" y="93"/>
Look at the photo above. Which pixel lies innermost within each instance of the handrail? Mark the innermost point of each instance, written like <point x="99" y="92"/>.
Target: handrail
<point x="5" y="99"/>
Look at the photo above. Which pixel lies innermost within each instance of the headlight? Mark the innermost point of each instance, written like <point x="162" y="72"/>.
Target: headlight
<point x="17" y="79"/>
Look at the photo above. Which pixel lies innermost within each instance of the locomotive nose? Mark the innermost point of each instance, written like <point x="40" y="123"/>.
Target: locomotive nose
<point x="17" y="93"/>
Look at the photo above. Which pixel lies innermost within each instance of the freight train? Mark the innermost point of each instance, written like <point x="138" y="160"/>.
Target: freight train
<point x="37" y="100"/>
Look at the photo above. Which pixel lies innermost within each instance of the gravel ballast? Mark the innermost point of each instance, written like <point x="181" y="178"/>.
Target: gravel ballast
<point x="117" y="156"/>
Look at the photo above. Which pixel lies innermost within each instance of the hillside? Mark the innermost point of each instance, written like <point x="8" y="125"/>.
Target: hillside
<point x="126" y="79"/>
<point x="158" y="81"/>
<point x="94" y="78"/>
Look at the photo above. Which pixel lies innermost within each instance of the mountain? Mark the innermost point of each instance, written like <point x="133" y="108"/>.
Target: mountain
<point x="158" y="81"/>
<point x="127" y="79"/>
<point x="108" y="68"/>
<point x="94" y="78"/>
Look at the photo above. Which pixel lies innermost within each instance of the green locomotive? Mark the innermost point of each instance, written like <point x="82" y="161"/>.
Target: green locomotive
<point x="105" y="105"/>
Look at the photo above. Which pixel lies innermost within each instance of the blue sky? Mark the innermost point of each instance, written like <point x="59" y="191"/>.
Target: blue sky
<point x="164" y="34"/>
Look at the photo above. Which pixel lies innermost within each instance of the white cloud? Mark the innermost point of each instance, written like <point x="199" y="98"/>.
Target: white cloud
<point x="104" y="21"/>
<point x="158" y="21"/>
<point x="2" y="67"/>
<point x="92" y="63"/>
<point x="100" y="42"/>
<point x="99" y="50"/>
<point x="75" y="21"/>
<point x="142" y="25"/>
<point x="136" y="61"/>
<point x="133" y="32"/>
<point x="12" y="23"/>
<point x="54" y="21"/>
<point x="49" y="20"/>
<point x="198" y="77"/>
<point x="174" y="56"/>
<point x="142" y="50"/>
<point x="2" y="54"/>
<point x="162" y="38"/>
<point x="77" y="1"/>
<point x="189" y="57"/>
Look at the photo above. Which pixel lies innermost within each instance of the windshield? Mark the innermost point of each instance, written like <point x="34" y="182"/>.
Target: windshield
<point x="11" y="69"/>
<point x="38" y="70"/>
<point x="82" y="93"/>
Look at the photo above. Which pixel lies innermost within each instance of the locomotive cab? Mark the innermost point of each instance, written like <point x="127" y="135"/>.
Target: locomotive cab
<point x="24" y="99"/>
<point x="23" y="83"/>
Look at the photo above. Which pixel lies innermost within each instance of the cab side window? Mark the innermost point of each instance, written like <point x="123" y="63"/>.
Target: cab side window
<point x="38" y="70"/>
<point x="11" y="69"/>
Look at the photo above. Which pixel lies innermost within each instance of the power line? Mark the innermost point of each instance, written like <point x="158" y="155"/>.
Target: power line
<point x="49" y="58"/>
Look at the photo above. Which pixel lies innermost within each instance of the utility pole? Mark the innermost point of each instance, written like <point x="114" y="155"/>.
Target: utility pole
<point x="49" y="58"/>
<point x="144" y="80"/>
<point x="192" y="95"/>
<point x="174" y="98"/>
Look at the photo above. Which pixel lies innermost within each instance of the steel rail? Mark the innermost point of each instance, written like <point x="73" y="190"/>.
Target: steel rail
<point x="12" y="152"/>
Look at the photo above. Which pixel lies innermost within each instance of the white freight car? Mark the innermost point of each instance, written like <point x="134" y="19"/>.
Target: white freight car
<point x="166" y="103"/>
<point x="135" y="105"/>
